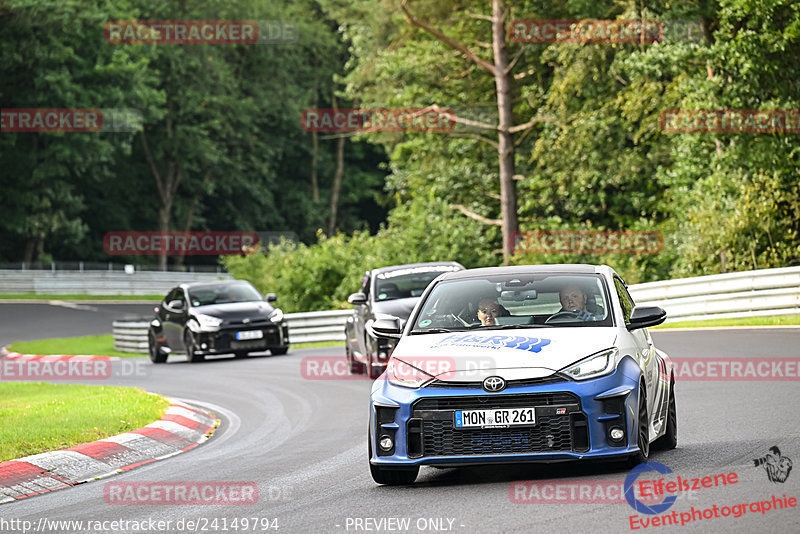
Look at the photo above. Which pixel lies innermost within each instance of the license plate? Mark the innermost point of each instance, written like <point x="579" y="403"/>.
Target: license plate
<point x="249" y="334"/>
<point x="499" y="418"/>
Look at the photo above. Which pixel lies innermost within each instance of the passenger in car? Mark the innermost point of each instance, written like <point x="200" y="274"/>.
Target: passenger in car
<point x="489" y="309"/>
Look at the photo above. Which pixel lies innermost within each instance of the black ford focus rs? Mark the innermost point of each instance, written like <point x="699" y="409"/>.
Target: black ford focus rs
<point x="227" y="317"/>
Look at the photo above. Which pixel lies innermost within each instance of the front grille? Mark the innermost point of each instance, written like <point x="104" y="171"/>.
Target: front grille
<point x="249" y="344"/>
<point x="226" y="340"/>
<point x="484" y="402"/>
<point x="431" y="429"/>
<point x="251" y="323"/>
<point x="551" y="434"/>
<point x="552" y="379"/>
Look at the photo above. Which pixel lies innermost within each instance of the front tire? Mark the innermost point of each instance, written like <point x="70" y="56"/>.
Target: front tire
<point x="154" y="349"/>
<point x="191" y="348"/>
<point x="279" y="351"/>
<point x="353" y="367"/>
<point x="373" y="370"/>
<point x="642" y="432"/>
<point x="670" y="438"/>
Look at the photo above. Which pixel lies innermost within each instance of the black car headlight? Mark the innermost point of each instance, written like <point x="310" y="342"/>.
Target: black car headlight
<point x="596" y="365"/>
<point x="208" y="321"/>
<point x="276" y="316"/>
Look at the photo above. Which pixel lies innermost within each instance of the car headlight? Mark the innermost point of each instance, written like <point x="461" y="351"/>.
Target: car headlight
<point x="207" y="321"/>
<point x="276" y="316"/>
<point x="400" y="373"/>
<point x="596" y="365"/>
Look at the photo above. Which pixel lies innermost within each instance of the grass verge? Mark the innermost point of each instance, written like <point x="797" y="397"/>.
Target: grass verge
<point x="39" y="417"/>
<point x="94" y="345"/>
<point x="771" y="320"/>
<point x="34" y="296"/>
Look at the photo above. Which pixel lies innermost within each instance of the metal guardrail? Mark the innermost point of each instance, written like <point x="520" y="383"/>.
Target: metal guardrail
<point x="99" y="282"/>
<point x="743" y="294"/>
<point x="312" y="327"/>
<point x="131" y="335"/>
<point x="82" y="266"/>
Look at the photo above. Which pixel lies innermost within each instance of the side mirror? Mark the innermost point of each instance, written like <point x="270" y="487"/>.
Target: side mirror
<point x="357" y="298"/>
<point x="175" y="305"/>
<point x="271" y="297"/>
<point x="391" y="327"/>
<point x="644" y="316"/>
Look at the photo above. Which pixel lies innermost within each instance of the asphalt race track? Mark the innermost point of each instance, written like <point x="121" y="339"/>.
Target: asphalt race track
<point x="303" y="442"/>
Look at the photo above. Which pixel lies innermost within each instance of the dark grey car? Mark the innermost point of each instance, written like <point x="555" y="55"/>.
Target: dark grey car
<point x="227" y="317"/>
<point x="387" y="291"/>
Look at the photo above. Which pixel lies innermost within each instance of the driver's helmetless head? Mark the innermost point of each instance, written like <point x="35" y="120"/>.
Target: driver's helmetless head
<point x="488" y="310"/>
<point x="573" y="298"/>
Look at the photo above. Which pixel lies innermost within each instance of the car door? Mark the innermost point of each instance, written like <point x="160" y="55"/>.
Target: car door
<point x="360" y="316"/>
<point x="174" y="319"/>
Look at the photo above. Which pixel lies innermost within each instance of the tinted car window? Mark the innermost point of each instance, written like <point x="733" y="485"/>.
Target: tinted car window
<point x="405" y="283"/>
<point x="365" y="284"/>
<point x="624" y="299"/>
<point x="206" y="295"/>
<point x="175" y="294"/>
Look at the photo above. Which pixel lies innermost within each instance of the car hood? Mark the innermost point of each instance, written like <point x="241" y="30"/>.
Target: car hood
<point x="398" y="307"/>
<point x="234" y="311"/>
<point x="511" y="354"/>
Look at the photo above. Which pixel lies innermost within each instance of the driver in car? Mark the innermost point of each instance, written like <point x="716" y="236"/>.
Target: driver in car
<point x="574" y="299"/>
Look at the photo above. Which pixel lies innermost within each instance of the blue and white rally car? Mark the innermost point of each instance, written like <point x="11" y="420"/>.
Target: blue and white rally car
<point x="541" y="363"/>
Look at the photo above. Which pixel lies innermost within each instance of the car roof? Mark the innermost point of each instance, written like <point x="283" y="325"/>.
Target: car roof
<point x="413" y="265"/>
<point x="194" y="285"/>
<point x="565" y="268"/>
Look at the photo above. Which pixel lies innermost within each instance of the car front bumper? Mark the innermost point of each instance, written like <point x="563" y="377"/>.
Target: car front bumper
<point x="573" y="421"/>
<point x="223" y="340"/>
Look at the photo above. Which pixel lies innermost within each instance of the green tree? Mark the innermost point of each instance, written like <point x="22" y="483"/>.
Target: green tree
<point x="50" y="57"/>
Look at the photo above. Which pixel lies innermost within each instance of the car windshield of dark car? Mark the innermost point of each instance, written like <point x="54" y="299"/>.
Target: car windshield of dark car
<point x="516" y="301"/>
<point x="204" y="296"/>
<point x="405" y="283"/>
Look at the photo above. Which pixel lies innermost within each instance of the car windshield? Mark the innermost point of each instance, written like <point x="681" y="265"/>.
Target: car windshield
<point x="408" y="282"/>
<point x="515" y="301"/>
<point x="223" y="294"/>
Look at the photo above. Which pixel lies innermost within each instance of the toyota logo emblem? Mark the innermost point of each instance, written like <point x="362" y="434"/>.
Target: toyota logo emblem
<point x="494" y="384"/>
